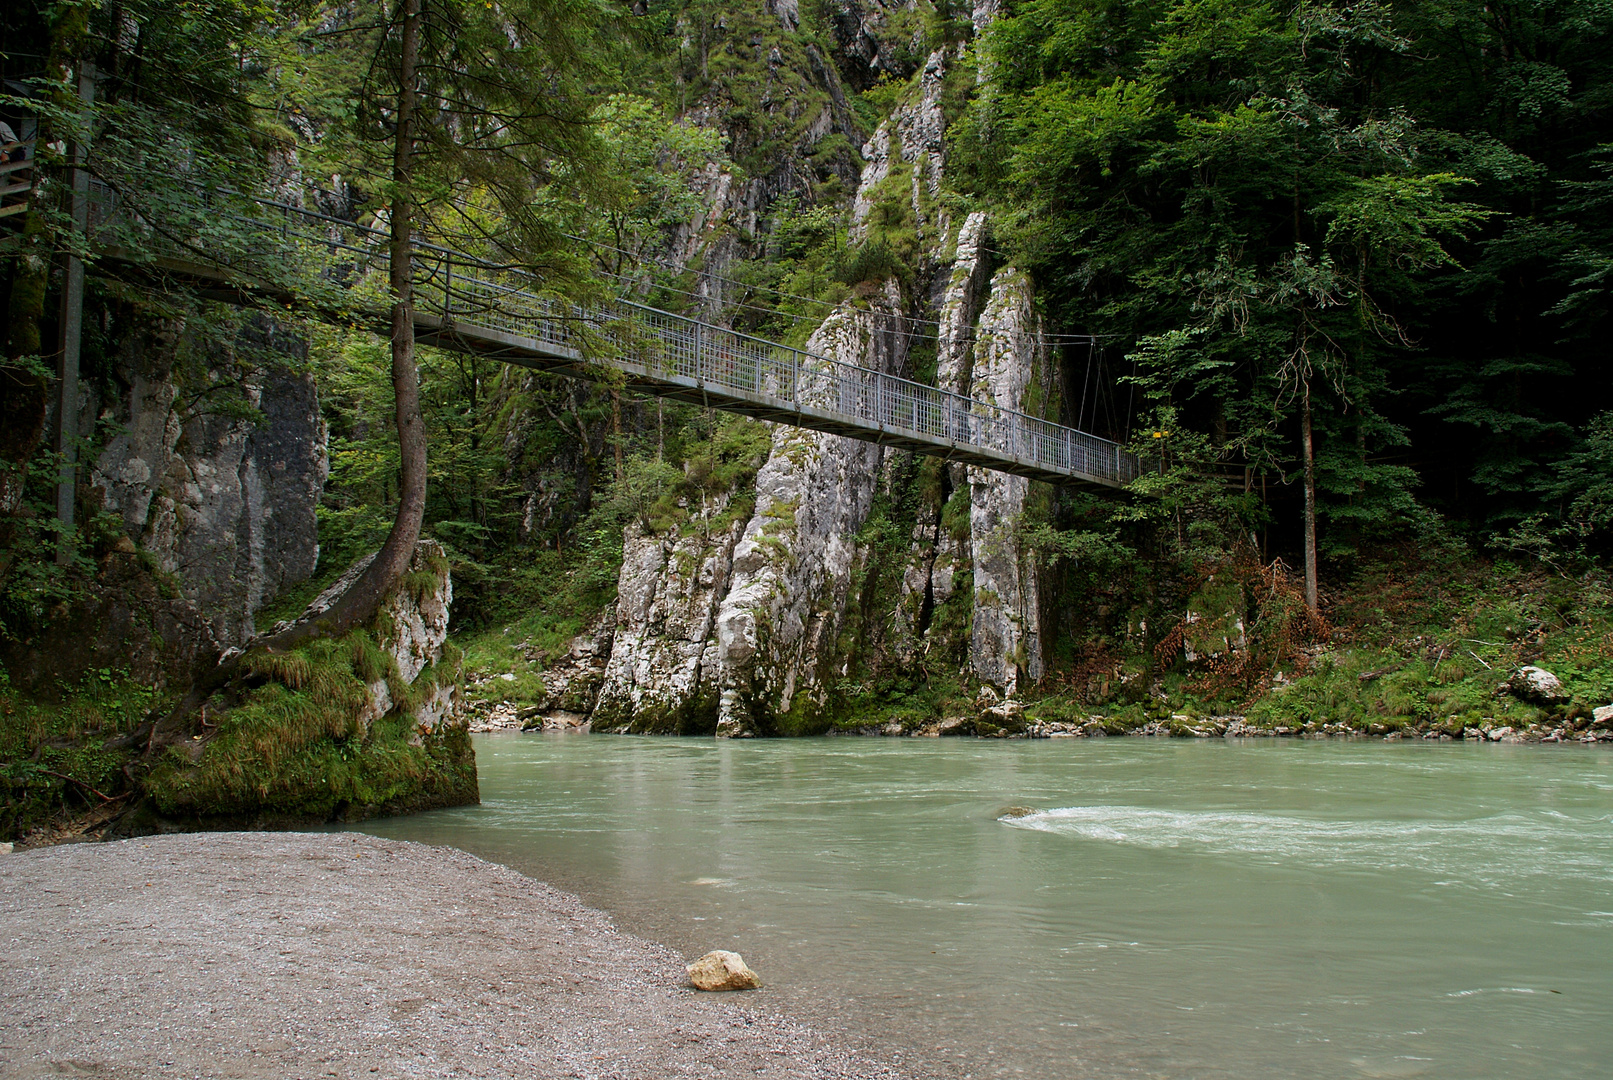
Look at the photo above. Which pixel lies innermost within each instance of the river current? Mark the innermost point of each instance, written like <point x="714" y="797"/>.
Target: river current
<point x="1169" y="908"/>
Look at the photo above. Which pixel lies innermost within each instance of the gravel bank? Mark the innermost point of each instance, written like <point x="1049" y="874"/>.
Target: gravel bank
<point x="292" y="955"/>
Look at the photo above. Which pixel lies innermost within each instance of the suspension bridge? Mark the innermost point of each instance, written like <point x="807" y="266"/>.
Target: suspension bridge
<point x="474" y="305"/>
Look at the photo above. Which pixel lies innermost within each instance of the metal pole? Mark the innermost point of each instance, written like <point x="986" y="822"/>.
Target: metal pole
<point x="73" y="329"/>
<point x="447" y="287"/>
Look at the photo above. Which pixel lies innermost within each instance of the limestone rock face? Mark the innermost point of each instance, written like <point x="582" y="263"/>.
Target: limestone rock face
<point x="876" y="39"/>
<point x="662" y="672"/>
<point x="1010" y="370"/>
<point x="412" y="628"/>
<point x="792" y="568"/>
<point x="722" y="970"/>
<point x="800" y="92"/>
<point x="915" y="136"/>
<point x="966" y="290"/>
<point x="938" y="558"/>
<point x="225" y="504"/>
<point x="127" y="621"/>
<point x="751" y="630"/>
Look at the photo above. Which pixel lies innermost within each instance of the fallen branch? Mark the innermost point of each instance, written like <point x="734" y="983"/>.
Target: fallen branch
<point x="86" y="787"/>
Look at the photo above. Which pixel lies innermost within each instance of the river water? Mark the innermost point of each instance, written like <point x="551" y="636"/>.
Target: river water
<point x="1173" y="908"/>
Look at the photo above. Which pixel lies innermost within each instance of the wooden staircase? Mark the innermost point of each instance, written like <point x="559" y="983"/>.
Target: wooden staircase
<point x="17" y="183"/>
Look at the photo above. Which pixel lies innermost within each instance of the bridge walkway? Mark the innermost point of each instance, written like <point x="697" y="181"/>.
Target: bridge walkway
<point x="470" y="304"/>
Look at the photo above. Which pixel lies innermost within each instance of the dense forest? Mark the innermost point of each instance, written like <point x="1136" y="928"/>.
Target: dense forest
<point x="1336" y="272"/>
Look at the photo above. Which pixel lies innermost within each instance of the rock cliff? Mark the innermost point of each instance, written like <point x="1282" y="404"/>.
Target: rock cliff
<point x="662" y="672"/>
<point x="1010" y="369"/>
<point x="212" y="467"/>
<point x="761" y="627"/>
<point x="778" y="628"/>
<point x="222" y="498"/>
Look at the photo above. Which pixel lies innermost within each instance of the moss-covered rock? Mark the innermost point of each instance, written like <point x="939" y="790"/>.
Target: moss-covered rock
<point x="343" y="728"/>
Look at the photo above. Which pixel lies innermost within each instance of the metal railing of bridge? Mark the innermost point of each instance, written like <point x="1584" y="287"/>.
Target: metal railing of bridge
<point x="474" y="303"/>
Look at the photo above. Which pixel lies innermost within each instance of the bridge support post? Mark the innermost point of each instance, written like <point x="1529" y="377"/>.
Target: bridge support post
<point x="72" y="332"/>
<point x="447" y="290"/>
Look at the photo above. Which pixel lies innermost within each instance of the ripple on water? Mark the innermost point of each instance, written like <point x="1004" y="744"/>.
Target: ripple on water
<point x="1480" y="851"/>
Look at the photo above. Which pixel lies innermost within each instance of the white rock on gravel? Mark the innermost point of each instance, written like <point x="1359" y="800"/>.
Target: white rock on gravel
<point x="722" y="970"/>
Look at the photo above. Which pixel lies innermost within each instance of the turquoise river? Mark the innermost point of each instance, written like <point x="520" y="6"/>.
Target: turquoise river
<point x="1172" y="908"/>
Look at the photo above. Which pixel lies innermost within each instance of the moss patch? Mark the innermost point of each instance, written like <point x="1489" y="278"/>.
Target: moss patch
<point x="291" y="747"/>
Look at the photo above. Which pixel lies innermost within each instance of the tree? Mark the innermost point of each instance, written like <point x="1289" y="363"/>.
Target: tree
<point x="24" y="376"/>
<point x="484" y="124"/>
<point x="1246" y="211"/>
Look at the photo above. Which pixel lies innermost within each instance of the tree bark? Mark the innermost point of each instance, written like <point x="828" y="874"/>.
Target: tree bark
<point x="1308" y="445"/>
<point x="360" y="603"/>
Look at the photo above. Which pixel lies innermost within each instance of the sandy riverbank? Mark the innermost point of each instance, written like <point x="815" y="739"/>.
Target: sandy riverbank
<point x="311" y="955"/>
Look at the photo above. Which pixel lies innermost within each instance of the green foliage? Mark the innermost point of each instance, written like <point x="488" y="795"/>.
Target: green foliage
<point x="1274" y="205"/>
<point x="649" y="158"/>
<point x="65" y="754"/>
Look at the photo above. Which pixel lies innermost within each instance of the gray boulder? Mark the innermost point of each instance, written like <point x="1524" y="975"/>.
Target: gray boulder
<point x="1538" y="685"/>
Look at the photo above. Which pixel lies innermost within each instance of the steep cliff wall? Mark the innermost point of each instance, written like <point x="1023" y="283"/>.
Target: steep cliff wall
<point x="778" y="628"/>
<point x="662" y="675"/>
<point x="762" y="627"/>
<point x="222" y="498"/>
<point x="859" y="567"/>
<point x="211" y="461"/>
<point x="1011" y="370"/>
<point x="755" y="75"/>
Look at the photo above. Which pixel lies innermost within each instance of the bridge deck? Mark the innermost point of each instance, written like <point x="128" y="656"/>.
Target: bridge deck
<point x="467" y="304"/>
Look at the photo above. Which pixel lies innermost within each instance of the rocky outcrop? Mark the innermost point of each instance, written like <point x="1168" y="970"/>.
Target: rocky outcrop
<point x="793" y="131"/>
<point x="335" y="728"/>
<point x="1010" y="370"/>
<point x="778" y="626"/>
<point x="662" y="675"/>
<point x="966" y="289"/>
<point x="222" y="497"/>
<point x="1538" y="685"/>
<point x="411" y="630"/>
<point x="911" y="142"/>
<point x="1214" y="626"/>
<point x="876" y="39"/>
<point x="940" y="558"/>
<point x="753" y="627"/>
<point x="214" y="464"/>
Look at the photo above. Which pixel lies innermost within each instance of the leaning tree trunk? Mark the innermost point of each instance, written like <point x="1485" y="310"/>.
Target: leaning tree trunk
<point x="359" y="604"/>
